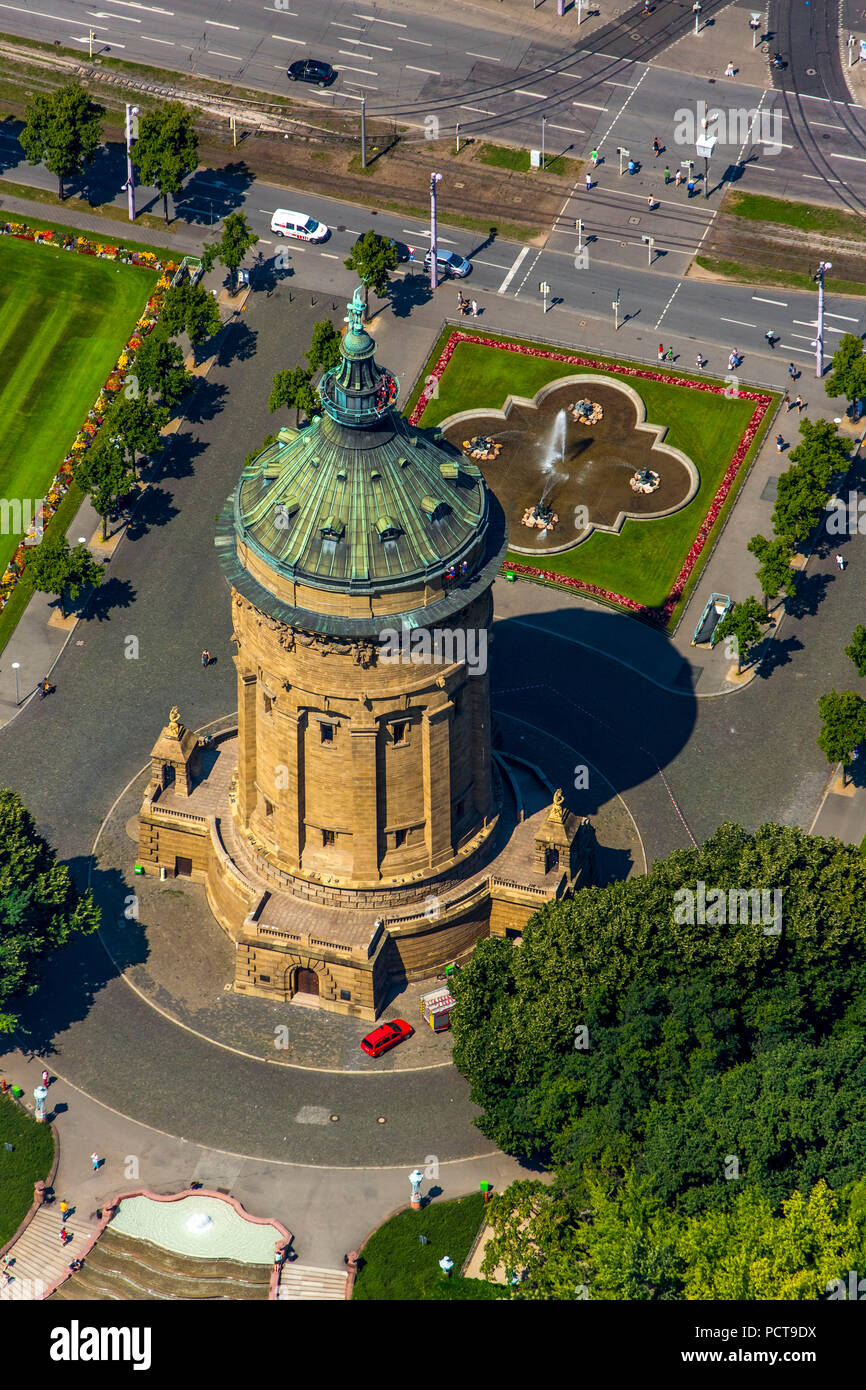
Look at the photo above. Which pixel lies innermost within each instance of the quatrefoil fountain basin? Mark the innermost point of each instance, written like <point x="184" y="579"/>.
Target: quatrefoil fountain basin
<point x="569" y="458"/>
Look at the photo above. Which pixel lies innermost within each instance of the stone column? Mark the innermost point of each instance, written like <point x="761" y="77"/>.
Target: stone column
<point x="436" y="753"/>
<point x="365" y="791"/>
<point x="293" y="727"/>
<point x="247" y="692"/>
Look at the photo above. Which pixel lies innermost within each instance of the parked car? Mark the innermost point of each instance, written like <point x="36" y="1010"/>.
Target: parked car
<point x="299" y="225"/>
<point x="311" y="70"/>
<point x="449" y="263"/>
<point x="386" y="1036"/>
<point x="401" y="247"/>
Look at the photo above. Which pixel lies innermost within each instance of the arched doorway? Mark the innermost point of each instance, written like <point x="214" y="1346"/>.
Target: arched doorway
<point x="306" y="982"/>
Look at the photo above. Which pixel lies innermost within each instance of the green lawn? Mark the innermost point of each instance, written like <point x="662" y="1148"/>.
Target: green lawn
<point x="643" y="561"/>
<point x="25" y="1163"/>
<point x="396" y="1266"/>
<point x="504" y="157"/>
<point x="809" y="217"/>
<point x="64" y="318"/>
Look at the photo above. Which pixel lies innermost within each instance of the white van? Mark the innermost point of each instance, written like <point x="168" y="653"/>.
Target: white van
<point x="299" y="225"/>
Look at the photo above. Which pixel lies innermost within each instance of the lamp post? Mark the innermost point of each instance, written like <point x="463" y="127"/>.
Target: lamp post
<point x="545" y="291"/>
<point x="91" y="35"/>
<point x="823" y="266"/>
<point x="851" y="44"/>
<point x="543" y="124"/>
<point x="615" y="307"/>
<point x="580" y="233"/>
<point x="16" y="667"/>
<point x="363" y="132"/>
<point x="39" y="1095"/>
<point x="696" y="7"/>
<point x="755" y="25"/>
<point x="131" y="124"/>
<point x="434" y="179"/>
<point x="415" y="1178"/>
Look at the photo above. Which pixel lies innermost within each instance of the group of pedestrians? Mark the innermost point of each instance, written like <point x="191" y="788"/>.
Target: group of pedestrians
<point x="465" y="306"/>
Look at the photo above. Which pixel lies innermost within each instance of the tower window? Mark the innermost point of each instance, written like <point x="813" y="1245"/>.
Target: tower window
<point x="268" y="703"/>
<point x="399" y="838"/>
<point x="401" y="731"/>
<point x="269" y="809"/>
<point x="327" y="837"/>
<point x="327" y="732"/>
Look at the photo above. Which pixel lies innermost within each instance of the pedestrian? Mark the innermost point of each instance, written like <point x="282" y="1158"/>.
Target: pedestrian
<point x="691" y="185"/>
<point x="734" y="359"/>
<point x="770" y="336"/>
<point x="64" y="1208"/>
<point x="64" y="1235"/>
<point x="792" y="371"/>
<point x="780" y="444"/>
<point x="650" y="202"/>
<point x="475" y="308"/>
<point x="661" y="352"/>
<point x="594" y="157"/>
<point x="699" y="362"/>
<point x="45" y="1078"/>
<point x="588" y="182"/>
<point x="657" y="149"/>
<point x="44" y="687"/>
<point x="95" y="1160"/>
<point x="787" y="402"/>
<point x="631" y="166"/>
<point x="730" y="70"/>
<point x="205" y="658"/>
<point x="799" y="404"/>
<point x="670" y="354"/>
<point x="667" y="176"/>
<point x="840" y="561"/>
<point x="678" y="178"/>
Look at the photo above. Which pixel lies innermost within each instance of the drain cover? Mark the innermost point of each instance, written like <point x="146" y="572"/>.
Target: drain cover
<point x="633" y="221"/>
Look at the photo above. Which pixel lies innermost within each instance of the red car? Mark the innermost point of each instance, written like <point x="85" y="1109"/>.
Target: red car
<point x="386" y="1036"/>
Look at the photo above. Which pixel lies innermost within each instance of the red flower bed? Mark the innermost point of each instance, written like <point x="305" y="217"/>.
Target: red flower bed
<point x="762" y="403"/>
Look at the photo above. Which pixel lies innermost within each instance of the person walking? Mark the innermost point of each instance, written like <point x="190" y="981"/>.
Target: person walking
<point x="780" y="444"/>
<point x="475" y="308"/>
<point x="792" y="371"/>
<point x="840" y="561"/>
<point x="64" y="1235"/>
<point x="734" y="359"/>
<point x="95" y="1160"/>
<point x="678" y="178"/>
<point x="691" y="185"/>
<point x="667" y="176"/>
<point x="205" y="657"/>
<point x="594" y="157"/>
<point x="588" y="182"/>
<point x="661" y="352"/>
<point x="64" y="1208"/>
<point x="657" y="149"/>
<point x="699" y="362"/>
<point x="730" y="70"/>
<point x="770" y="336"/>
<point x="650" y="202"/>
<point x="670" y="354"/>
<point x="787" y="402"/>
<point x="799" y="404"/>
<point x="45" y="1079"/>
<point x="44" y="687"/>
<point x="631" y="166"/>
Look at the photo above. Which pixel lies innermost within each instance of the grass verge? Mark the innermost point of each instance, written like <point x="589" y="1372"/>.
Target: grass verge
<point x="504" y="157"/>
<point x="808" y="217"/>
<point x="26" y="1162"/>
<point x="397" y="1267"/>
<point x="106" y="211"/>
<point x="763" y="275"/>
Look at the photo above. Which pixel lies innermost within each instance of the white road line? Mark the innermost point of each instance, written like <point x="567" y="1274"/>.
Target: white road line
<point x="212" y="53"/>
<point x="145" y="38"/>
<point x="329" y="256"/>
<point x="350" y="96"/>
<point x="282" y="38"/>
<point x="609" y="83"/>
<point x="434" y="72"/>
<point x="344" y="67"/>
<point x="857" y="158"/>
<point x="670" y="301"/>
<point x="572" y="130"/>
<point x="782" y="303"/>
<point x="40" y="14"/>
<point x="482" y="109"/>
<point x="355" y="28"/>
<point x="368" y="86"/>
<point x="421" y="43"/>
<point x="270" y="8"/>
<point x="590" y="106"/>
<point x="489" y="59"/>
<point x="518" y="261"/>
<point x="374" y="19"/>
<point x="133" y="5"/>
<point x="618" y="114"/>
<point x="741" y="323"/>
<point x="803" y="350"/>
<point x="263" y="241"/>
<point x="846" y="318"/>
<point x="217" y="24"/>
<point x="522" y="91"/>
<point x="819" y="177"/>
<point x="345" y="53"/>
<point x="803" y="336"/>
<point x="124" y="18"/>
<point x="365" y="44"/>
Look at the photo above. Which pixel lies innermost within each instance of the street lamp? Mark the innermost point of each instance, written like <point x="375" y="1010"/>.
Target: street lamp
<point x="696" y="8"/>
<point x="415" y="1178"/>
<point x="39" y="1096"/>
<point x="434" y="179"/>
<point x="755" y="23"/>
<point x="649" y="242"/>
<point x="16" y="667"/>
<point x="615" y="307"/>
<point x="823" y="266"/>
<point x="543" y="124"/>
<point x="131" y="124"/>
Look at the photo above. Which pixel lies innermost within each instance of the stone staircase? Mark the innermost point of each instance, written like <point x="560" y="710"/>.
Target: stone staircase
<point x="309" y="1282"/>
<point x="37" y="1256"/>
<point x="123" y="1268"/>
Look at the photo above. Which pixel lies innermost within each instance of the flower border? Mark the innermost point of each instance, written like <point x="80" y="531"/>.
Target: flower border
<point x="762" y="399"/>
<point x="65" y="475"/>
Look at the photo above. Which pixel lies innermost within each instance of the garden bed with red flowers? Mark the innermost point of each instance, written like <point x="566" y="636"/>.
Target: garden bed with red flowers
<point x="704" y="533"/>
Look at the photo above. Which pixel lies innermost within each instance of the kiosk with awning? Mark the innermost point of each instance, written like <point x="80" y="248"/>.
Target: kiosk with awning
<point x="436" y="1008"/>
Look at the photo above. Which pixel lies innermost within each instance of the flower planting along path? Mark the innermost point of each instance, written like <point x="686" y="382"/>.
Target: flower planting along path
<point x="556" y="572"/>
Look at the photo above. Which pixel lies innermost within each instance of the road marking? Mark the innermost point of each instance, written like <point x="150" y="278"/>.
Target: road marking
<point x="608" y="83"/>
<point x="40" y="14"/>
<point x="345" y="68"/>
<point x="433" y="71"/>
<point x="802" y="336"/>
<point x="857" y="158"/>
<point x="133" y="5"/>
<point x="329" y="255"/>
<point x="518" y="261"/>
<point x="796" y="349"/>
<point x="373" y="19"/>
<point x="782" y="303"/>
<point x="344" y="53"/>
<point x="572" y="130"/>
<point x="658" y="323"/>
<point x="486" y="56"/>
<point x="145" y="38"/>
<point x="482" y="109"/>
<point x="263" y="241"/>
<point x="365" y="43"/>
<point x="124" y="18"/>
<point x="356" y="28"/>
<point x="422" y="43"/>
<point x="846" y="318"/>
<point x="741" y="323"/>
<point x="522" y="92"/>
<point x="269" y="8"/>
<point x="819" y="177"/>
<point x="212" y="53"/>
<point x="282" y="38"/>
<point x="368" y="86"/>
<point x="219" y="25"/>
<point x="590" y="105"/>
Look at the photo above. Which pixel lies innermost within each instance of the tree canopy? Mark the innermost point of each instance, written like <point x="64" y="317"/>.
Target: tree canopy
<point x="62" y="130"/>
<point x="54" y="568"/>
<point x="236" y="240"/>
<point x="189" y="309"/>
<point x="294" y="388"/>
<point x="324" y="350"/>
<point x="848" y="369"/>
<point x="166" y="149"/>
<point x="372" y="258"/>
<point x="40" y="908"/>
<point x="106" y="474"/>
<point x="159" y="368"/>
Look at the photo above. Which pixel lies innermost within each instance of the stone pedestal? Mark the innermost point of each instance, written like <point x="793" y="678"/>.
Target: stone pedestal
<point x="175" y="757"/>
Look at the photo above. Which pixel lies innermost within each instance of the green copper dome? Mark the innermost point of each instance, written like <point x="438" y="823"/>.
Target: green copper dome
<point x="356" y="499"/>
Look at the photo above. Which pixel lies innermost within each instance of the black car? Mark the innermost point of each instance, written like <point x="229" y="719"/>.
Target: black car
<point x="311" y="70"/>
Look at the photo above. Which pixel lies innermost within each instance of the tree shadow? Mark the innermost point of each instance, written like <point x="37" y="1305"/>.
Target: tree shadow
<point x="112" y="593"/>
<point x="266" y="275"/>
<point x="778" y="653"/>
<point x="154" y="509"/>
<point x="237" y="343"/>
<point x="208" y="400"/>
<point x="491" y="237"/>
<point x="408" y="294"/>
<point x="210" y="194"/>
<point x="11" y="153"/>
<point x="177" y="460"/>
<point x="811" y="589"/>
<point x="104" y="177"/>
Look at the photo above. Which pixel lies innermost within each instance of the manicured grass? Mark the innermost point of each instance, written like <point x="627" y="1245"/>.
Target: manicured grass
<point x="643" y="561"/>
<point x="107" y="211"/>
<point x="102" y="237"/>
<point x="504" y="157"/>
<point x="396" y="1266"/>
<point x="64" y="318"/>
<point x="755" y="207"/>
<point x="28" y="1161"/>
<point x="766" y="275"/>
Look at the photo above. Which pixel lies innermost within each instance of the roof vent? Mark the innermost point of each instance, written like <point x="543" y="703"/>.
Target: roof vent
<point x="333" y="527"/>
<point x="375" y="476"/>
<point x="387" y="528"/>
<point x="315" y="460"/>
<point x="404" y="462"/>
<point x="432" y="506"/>
<point x="450" y="470"/>
<point x="341" y="477"/>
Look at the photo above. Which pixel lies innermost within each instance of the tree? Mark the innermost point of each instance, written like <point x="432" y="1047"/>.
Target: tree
<point x="55" y="569"/>
<point x="159" y="368"/>
<point x="166" y="150"/>
<point x="324" y="350"/>
<point x="106" y="475"/>
<point x="236" y="240"/>
<point x="800" y="501"/>
<point x="62" y="130"/>
<point x="135" y="424"/>
<point x="821" y="452"/>
<point x="744" y="622"/>
<point x="774" y="567"/>
<point x="294" y="388"/>
<point x="372" y="257"/>
<point x="848" y="369"/>
<point x="190" y="309"/>
<point x="40" y="908"/>
<point x="857" y="649"/>
<point x="844" y="716"/>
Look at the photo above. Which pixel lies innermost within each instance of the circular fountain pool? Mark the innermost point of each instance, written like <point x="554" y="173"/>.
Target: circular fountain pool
<point x="203" y="1226"/>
